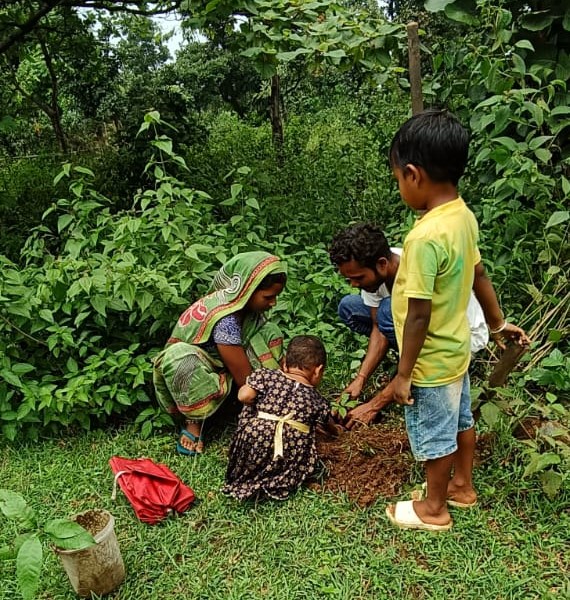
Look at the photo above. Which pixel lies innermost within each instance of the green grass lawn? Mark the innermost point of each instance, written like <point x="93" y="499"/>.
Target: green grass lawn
<point x="515" y="544"/>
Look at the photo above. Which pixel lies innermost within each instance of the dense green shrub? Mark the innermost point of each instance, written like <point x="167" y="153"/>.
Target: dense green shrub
<point x="96" y="298"/>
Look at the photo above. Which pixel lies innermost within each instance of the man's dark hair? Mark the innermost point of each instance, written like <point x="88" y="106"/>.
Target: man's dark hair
<point x="434" y="140"/>
<point x="363" y="242"/>
<point x="305" y="352"/>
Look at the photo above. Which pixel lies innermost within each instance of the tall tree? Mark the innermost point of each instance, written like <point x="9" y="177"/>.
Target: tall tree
<point x="276" y="32"/>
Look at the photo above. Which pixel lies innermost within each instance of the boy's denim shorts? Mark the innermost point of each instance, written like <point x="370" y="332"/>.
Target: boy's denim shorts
<point x="435" y="418"/>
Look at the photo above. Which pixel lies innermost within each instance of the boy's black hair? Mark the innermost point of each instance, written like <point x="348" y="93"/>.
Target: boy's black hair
<point x="305" y="352"/>
<point x="272" y="279"/>
<point x="434" y="140"/>
<point x="363" y="242"/>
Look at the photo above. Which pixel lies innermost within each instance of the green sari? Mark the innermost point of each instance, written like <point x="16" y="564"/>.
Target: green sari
<point x="189" y="375"/>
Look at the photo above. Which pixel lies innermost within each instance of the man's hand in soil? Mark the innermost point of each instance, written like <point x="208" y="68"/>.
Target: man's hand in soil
<point x="367" y="412"/>
<point x="355" y="387"/>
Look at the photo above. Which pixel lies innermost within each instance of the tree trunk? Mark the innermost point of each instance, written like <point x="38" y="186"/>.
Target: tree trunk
<point x="276" y="118"/>
<point x="415" y="68"/>
<point x="54" y="113"/>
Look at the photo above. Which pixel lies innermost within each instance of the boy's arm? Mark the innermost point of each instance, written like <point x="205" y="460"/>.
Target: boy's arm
<point x="487" y="298"/>
<point x="376" y="351"/>
<point x="246" y="394"/>
<point x="415" y="330"/>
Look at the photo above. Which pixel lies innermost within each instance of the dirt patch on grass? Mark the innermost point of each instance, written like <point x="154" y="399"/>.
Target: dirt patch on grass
<point x="365" y="463"/>
<point x="375" y="462"/>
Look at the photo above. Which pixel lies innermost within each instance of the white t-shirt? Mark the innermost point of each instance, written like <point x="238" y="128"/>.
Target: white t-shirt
<point x="475" y="316"/>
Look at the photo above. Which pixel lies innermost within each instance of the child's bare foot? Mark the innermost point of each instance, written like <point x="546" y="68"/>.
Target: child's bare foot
<point x="457" y="496"/>
<point x="427" y="514"/>
<point x="461" y="496"/>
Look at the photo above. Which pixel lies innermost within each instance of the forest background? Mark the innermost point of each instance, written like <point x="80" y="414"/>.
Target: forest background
<point x="128" y="176"/>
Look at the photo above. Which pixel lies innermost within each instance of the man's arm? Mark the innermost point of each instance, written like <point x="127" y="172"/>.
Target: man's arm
<point x="415" y="329"/>
<point x="375" y="353"/>
<point x="487" y="298"/>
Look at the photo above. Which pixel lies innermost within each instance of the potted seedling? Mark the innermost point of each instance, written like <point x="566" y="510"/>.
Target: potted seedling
<point x="86" y="545"/>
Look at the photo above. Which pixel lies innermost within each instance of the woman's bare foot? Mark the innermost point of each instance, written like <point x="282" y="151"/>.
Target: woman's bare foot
<point x="194" y="428"/>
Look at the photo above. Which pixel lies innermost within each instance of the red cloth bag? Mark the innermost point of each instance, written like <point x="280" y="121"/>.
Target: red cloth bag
<point x="153" y="489"/>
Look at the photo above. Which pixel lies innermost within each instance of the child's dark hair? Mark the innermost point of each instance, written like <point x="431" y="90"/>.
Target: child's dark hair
<point x="305" y="352"/>
<point x="363" y="242"/>
<point x="272" y="279"/>
<point x="434" y="140"/>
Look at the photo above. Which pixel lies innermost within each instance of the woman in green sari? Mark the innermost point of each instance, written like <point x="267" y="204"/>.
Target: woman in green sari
<point x="219" y="339"/>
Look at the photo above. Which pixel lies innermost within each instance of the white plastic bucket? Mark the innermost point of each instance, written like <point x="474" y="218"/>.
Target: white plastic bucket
<point x="98" y="569"/>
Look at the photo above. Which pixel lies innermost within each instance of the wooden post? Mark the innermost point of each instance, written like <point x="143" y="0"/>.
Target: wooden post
<point x="415" y="67"/>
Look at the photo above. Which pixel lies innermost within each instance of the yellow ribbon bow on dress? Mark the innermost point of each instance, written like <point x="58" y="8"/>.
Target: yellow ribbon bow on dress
<point x="278" y="440"/>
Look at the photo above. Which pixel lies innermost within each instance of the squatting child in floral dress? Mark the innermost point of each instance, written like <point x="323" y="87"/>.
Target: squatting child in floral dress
<point x="273" y="449"/>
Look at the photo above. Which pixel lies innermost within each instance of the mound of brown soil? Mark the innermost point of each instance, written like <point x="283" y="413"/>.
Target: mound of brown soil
<point x="372" y="462"/>
<point x="366" y="463"/>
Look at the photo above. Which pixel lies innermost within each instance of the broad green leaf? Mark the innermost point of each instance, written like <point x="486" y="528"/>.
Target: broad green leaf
<point x="164" y="145"/>
<point x="560" y="216"/>
<point x="99" y="303"/>
<point x="551" y="483"/>
<point x="538" y="141"/>
<point x="462" y="14"/>
<point x="29" y="566"/>
<point x="253" y="203"/>
<point x="84" y="171"/>
<point x="146" y="430"/>
<point x="507" y="142"/>
<point x="252" y="52"/>
<point x="14" y="507"/>
<point x="68" y="535"/>
<point x="490" y="413"/>
<point x="144" y="300"/>
<point x="489" y="101"/>
<point x="537" y="21"/>
<point x="46" y="315"/>
<point x="519" y="66"/>
<point x="539" y="462"/>
<point x="339" y="53"/>
<point x="10" y="378"/>
<point x="22" y="368"/>
<point x="524" y="44"/>
<point x="560" y="110"/>
<point x="236" y="189"/>
<point x="288" y="56"/>
<point x="543" y="154"/>
<point x="436" y="5"/>
<point x="63" y="222"/>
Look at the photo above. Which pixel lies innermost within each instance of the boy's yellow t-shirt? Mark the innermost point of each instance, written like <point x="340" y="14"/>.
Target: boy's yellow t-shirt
<point x="437" y="264"/>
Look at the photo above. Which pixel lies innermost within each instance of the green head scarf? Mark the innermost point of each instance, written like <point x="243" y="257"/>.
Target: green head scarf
<point x="232" y="287"/>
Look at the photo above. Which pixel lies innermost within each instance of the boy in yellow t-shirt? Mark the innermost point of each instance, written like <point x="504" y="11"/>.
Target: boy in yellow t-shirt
<point x="439" y="266"/>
